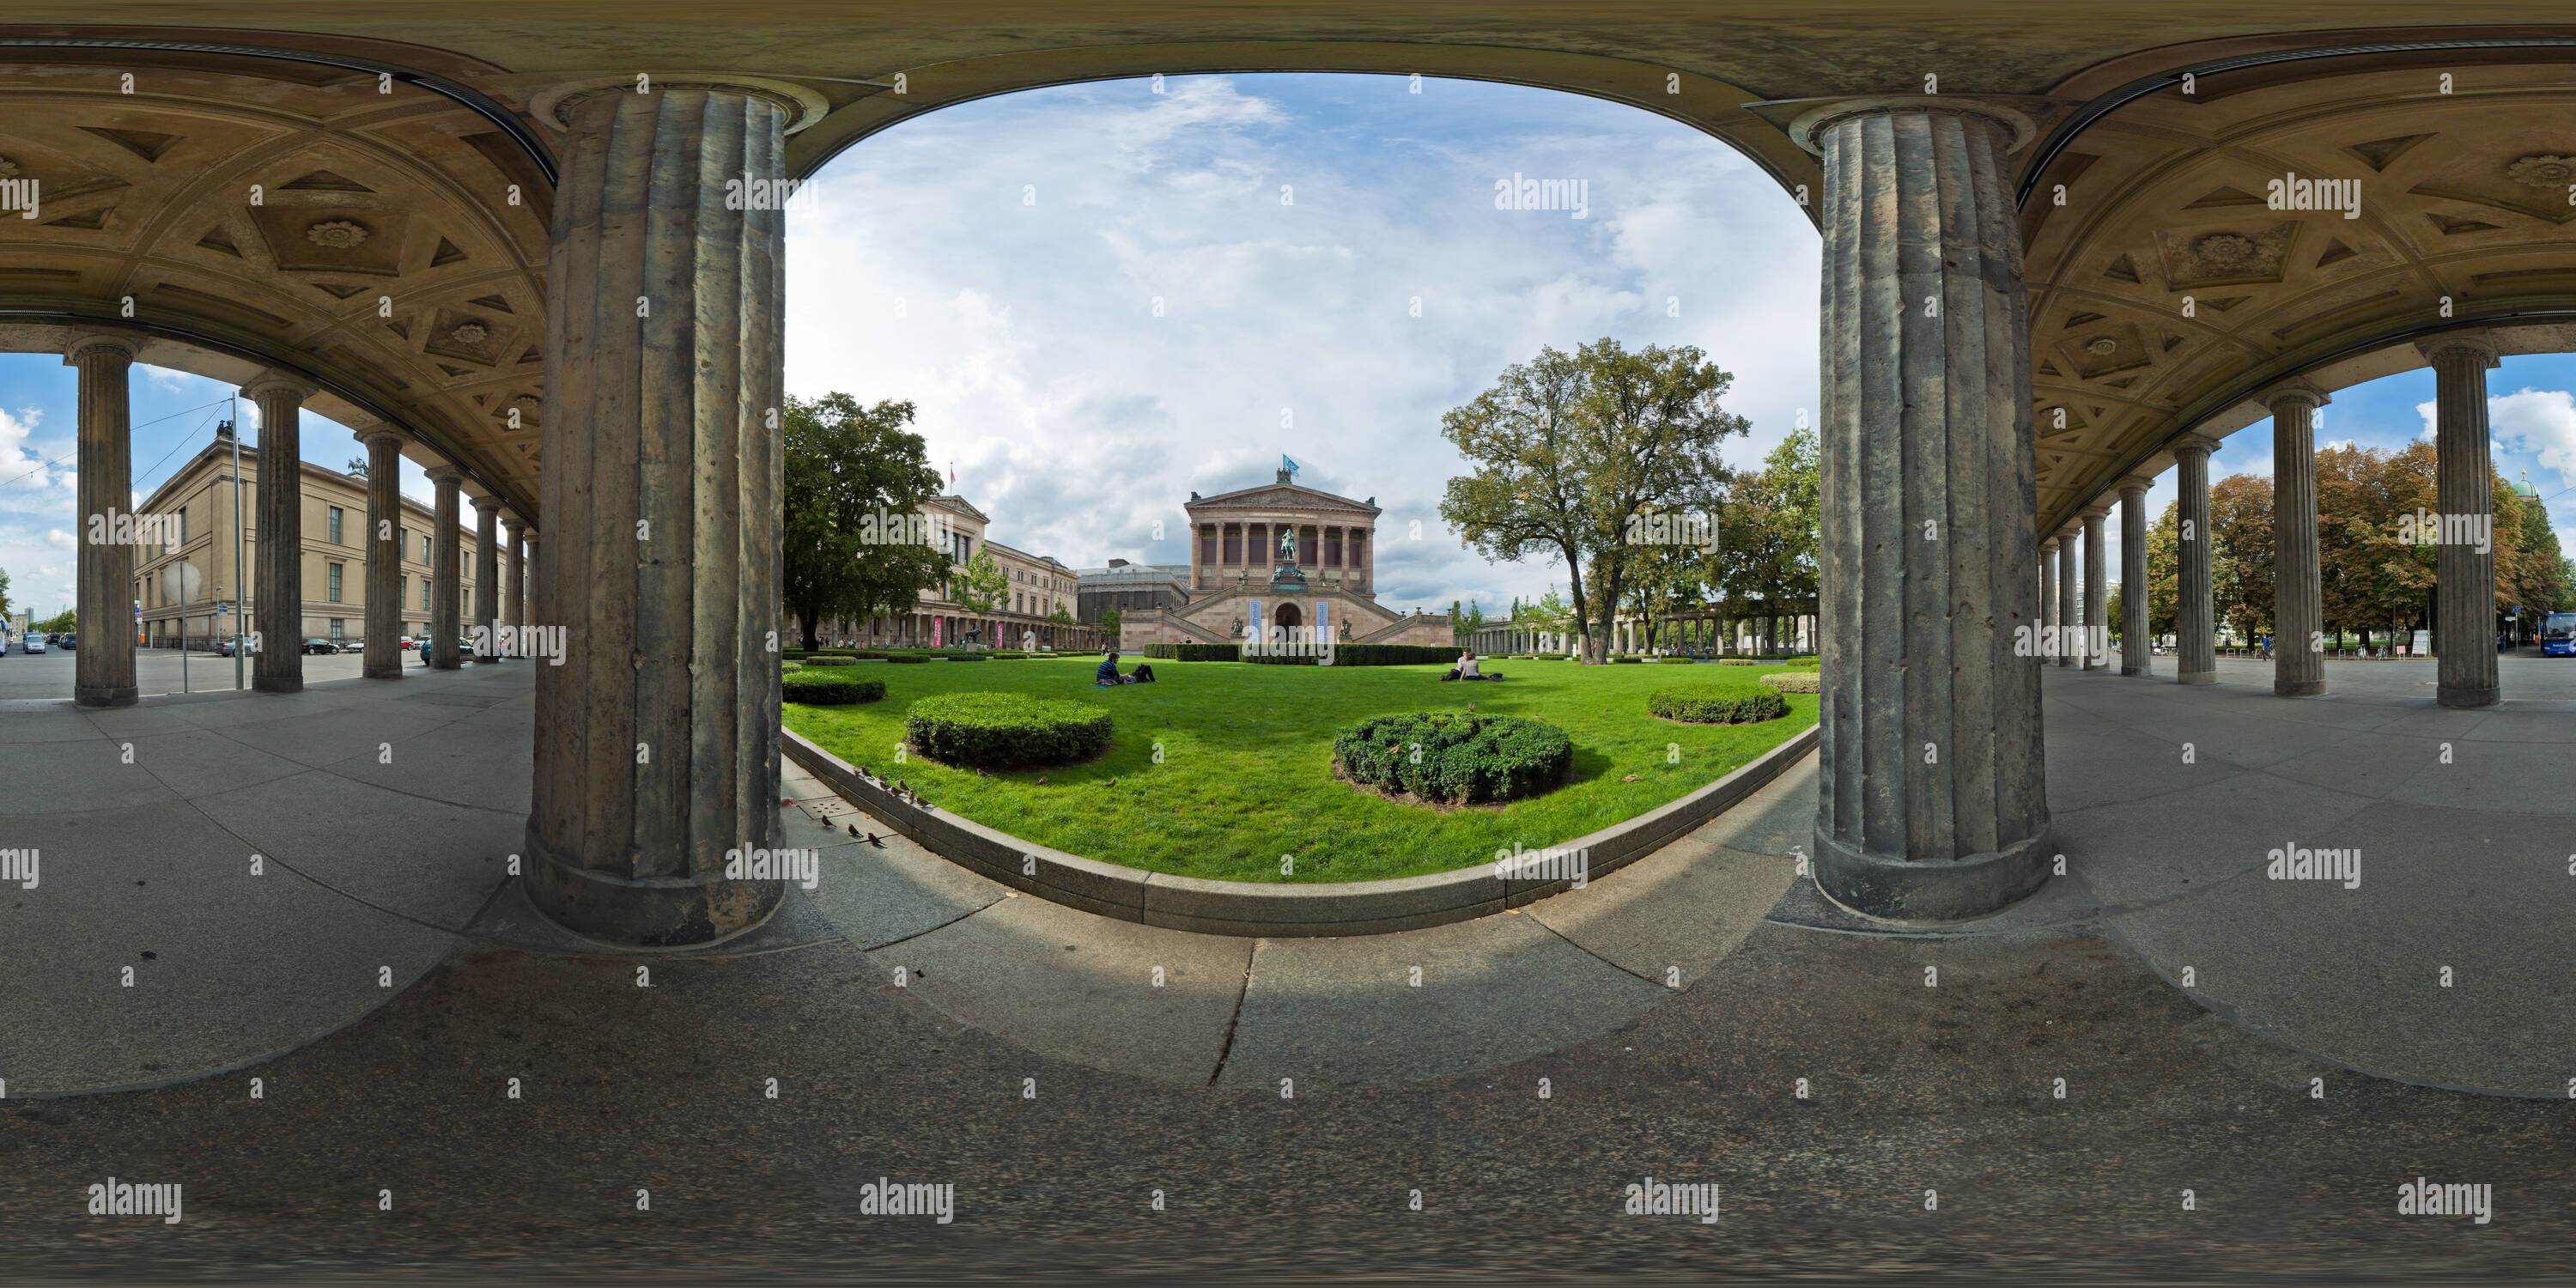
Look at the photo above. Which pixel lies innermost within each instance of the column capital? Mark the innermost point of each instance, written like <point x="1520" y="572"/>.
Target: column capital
<point x="126" y="344"/>
<point x="446" y="475"/>
<point x="380" y="432"/>
<point x="2095" y="512"/>
<point x="2135" y="485"/>
<point x="2480" y="343"/>
<point x="1807" y="119"/>
<point x="2194" y="443"/>
<point x="280" y="382"/>
<point x="802" y="106"/>
<point x="514" y="524"/>
<point x="2294" y="391"/>
<point x="486" y="505"/>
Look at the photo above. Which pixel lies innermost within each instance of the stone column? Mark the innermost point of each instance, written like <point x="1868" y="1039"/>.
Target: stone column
<point x="487" y="579"/>
<point x="2195" y="614"/>
<point x="2464" y="472"/>
<point x="514" y="598"/>
<point x="2298" y="596"/>
<point x="657" y="747"/>
<point x="103" y="666"/>
<point x="2097" y="593"/>
<point x="2048" y="589"/>
<point x="1931" y="802"/>
<point x="2137" y="649"/>
<point x="446" y="569"/>
<point x="2070" y="595"/>
<point x="279" y="665"/>
<point x="384" y="658"/>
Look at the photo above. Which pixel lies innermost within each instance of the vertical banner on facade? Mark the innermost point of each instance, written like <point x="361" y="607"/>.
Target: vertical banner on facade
<point x="937" y="630"/>
<point x="1254" y="617"/>
<point x="1323" y="620"/>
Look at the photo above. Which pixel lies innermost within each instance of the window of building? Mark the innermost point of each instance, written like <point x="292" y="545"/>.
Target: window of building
<point x="336" y="624"/>
<point x="332" y="571"/>
<point x="1233" y="544"/>
<point x="424" y="594"/>
<point x="1332" y="547"/>
<point x="402" y="541"/>
<point x="1207" y="544"/>
<point x="1306" y="546"/>
<point x="1256" y="544"/>
<point x="334" y="525"/>
<point x="424" y="548"/>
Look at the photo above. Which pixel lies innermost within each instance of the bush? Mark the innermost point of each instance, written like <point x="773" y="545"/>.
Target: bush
<point x="820" y="660"/>
<point x="1004" y="730"/>
<point x="790" y="668"/>
<point x="1194" y="652"/>
<point x="1673" y="661"/>
<point x="1717" y="703"/>
<point x="1626" y="657"/>
<point x="828" y="688"/>
<point x="1793" y="681"/>
<point x="906" y="657"/>
<point x="965" y="657"/>
<point x="1466" y="758"/>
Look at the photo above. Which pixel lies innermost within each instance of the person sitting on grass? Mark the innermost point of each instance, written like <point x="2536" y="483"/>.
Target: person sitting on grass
<point x="1466" y="668"/>
<point x="1108" y="676"/>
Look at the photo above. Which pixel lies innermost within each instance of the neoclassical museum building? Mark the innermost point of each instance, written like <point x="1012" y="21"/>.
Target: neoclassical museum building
<point x="1284" y="555"/>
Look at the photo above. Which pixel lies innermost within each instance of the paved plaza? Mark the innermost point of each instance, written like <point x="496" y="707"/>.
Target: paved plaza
<point x="382" y="962"/>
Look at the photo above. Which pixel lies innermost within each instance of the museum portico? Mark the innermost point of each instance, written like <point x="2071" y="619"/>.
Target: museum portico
<point x="1281" y="555"/>
<point x="505" y="249"/>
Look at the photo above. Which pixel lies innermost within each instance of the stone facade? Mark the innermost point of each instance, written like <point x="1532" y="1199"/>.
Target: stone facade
<point x="1238" y="579"/>
<point x="1040" y="585"/>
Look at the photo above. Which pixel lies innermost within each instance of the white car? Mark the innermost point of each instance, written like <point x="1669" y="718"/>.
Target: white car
<point x="33" y="643"/>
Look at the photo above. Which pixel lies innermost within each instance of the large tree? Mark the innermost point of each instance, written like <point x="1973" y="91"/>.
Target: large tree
<point x="1569" y="448"/>
<point x="852" y="543"/>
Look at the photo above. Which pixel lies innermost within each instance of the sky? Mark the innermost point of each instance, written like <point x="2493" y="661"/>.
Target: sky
<point x="1104" y="297"/>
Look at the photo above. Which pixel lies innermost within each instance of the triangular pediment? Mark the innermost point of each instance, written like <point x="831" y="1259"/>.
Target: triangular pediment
<point x="1281" y="496"/>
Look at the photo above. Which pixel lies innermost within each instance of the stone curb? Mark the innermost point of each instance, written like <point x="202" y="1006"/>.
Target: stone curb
<point x="1283" y="910"/>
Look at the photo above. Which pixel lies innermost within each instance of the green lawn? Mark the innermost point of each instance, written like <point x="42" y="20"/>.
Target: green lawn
<point x="1246" y="773"/>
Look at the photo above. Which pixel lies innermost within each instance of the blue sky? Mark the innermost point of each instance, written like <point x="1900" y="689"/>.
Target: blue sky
<point x="1000" y="262"/>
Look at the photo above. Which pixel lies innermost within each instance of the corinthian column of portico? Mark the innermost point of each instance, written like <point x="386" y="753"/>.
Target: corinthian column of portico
<point x="2464" y="562"/>
<point x="2298" y="593"/>
<point x="279" y="665"/>
<point x="2195" y="608"/>
<point x="1931" y="804"/>
<point x="2071" y="592"/>
<point x="2136" y="596"/>
<point x="657" y="741"/>
<point x="2097" y="616"/>
<point x="103" y="560"/>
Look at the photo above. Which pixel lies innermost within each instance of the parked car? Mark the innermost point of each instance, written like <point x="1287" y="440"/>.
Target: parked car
<point x="53" y="637"/>
<point x="70" y="642"/>
<point x="320" y="646"/>
<point x="409" y="644"/>
<point x="32" y="643"/>
<point x="224" y="647"/>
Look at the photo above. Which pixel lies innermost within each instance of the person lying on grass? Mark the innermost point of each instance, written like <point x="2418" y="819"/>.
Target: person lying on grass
<point x="1109" y="678"/>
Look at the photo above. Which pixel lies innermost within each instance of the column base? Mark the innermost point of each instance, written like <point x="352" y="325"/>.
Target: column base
<point x="1888" y="888"/>
<point x="277" y="683"/>
<point x="2466" y="697"/>
<point x="2097" y="666"/>
<point x="2297" y="688"/>
<point x="122" y="695"/>
<point x="2196" y="677"/>
<point x="436" y="665"/>
<point x="645" y="912"/>
<point x="392" y="671"/>
<point x="2128" y="670"/>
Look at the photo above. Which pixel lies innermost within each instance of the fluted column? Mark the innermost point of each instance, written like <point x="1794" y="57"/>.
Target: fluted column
<point x="278" y="667"/>
<point x="2070" y="595"/>
<point x="103" y="666"/>
<point x="2097" y="593"/>
<point x="446" y="569"/>
<point x="487" y="579"/>
<point x="657" y="745"/>
<point x="384" y="655"/>
<point x="1931" y="802"/>
<point x="2137" y="596"/>
<point x="2195" y="613"/>
<point x="514" y="597"/>
<point x="2298" y="596"/>
<point x="2048" y="590"/>
<point x="2464" y="562"/>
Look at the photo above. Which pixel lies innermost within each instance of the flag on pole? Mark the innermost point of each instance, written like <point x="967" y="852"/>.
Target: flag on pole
<point x="1288" y="465"/>
<point x="952" y="471"/>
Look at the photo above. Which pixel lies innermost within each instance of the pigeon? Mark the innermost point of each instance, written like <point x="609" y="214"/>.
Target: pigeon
<point x="1113" y="782"/>
<point x="1629" y="779"/>
<point x="875" y="840"/>
<point x="1041" y="779"/>
<point x="854" y="829"/>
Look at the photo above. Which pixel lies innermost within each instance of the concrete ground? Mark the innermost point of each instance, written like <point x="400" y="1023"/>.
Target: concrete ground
<point x="160" y="671"/>
<point x="1287" y="1098"/>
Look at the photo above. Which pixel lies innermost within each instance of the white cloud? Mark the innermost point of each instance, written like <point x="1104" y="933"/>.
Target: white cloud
<point x="2539" y="421"/>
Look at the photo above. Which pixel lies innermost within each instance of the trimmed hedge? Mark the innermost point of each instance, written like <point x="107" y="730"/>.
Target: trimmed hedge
<point x="907" y="657"/>
<point x="1004" y="730"/>
<point x="1717" y="703"/>
<point x="1627" y="657"/>
<point x="1793" y="681"/>
<point x="1466" y="758"/>
<point x="790" y="668"/>
<point x="1369" y="655"/>
<point x="819" y="660"/>
<point x="828" y="688"/>
<point x="1677" y="661"/>
<point x="1194" y="652"/>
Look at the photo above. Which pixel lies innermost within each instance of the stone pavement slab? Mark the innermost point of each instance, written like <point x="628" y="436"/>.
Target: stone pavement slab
<point x="426" y="860"/>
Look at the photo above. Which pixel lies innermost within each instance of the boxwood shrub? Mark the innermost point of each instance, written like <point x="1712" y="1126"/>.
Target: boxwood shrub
<point x="906" y="657"/>
<point x="1677" y="661"/>
<point x="1466" y="758"/>
<point x="1717" y="703"/>
<point x="822" y="660"/>
<point x="1793" y="681"/>
<point x="828" y="688"/>
<point x="1004" y="730"/>
<point x="1194" y="652"/>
